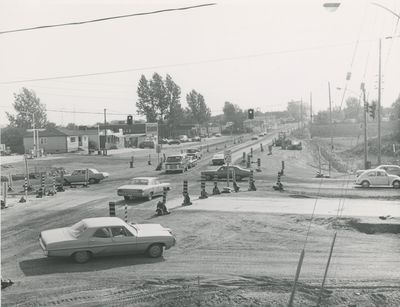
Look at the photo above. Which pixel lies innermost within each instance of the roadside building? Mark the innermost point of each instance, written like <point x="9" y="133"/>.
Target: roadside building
<point x="58" y="140"/>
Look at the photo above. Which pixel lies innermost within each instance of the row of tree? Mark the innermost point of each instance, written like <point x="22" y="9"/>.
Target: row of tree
<point x="159" y="100"/>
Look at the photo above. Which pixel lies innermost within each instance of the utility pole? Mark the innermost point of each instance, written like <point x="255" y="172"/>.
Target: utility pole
<point x="365" y="127"/>
<point x="301" y="112"/>
<point x="379" y="101"/>
<point x="105" y="133"/>
<point x="311" y="115"/>
<point x="34" y="136"/>
<point x="330" y="126"/>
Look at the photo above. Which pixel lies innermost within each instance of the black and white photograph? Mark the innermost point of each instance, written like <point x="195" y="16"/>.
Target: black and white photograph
<point x="195" y="153"/>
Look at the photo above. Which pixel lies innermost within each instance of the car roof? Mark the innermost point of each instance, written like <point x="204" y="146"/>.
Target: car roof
<point x="388" y="165"/>
<point x="103" y="221"/>
<point x="145" y="178"/>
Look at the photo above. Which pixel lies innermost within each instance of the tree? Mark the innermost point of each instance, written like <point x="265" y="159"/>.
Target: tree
<point x="27" y="104"/>
<point x="71" y="126"/>
<point x="395" y="113"/>
<point x="233" y="113"/>
<point x="158" y="95"/>
<point x="174" y="113"/>
<point x="298" y="110"/>
<point x="145" y="105"/>
<point x="353" y="109"/>
<point x="198" y="109"/>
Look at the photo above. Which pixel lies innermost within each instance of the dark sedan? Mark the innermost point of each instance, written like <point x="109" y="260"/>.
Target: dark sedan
<point x="222" y="172"/>
<point x="175" y="141"/>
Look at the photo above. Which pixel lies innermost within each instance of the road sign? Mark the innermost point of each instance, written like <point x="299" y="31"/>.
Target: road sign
<point x="228" y="156"/>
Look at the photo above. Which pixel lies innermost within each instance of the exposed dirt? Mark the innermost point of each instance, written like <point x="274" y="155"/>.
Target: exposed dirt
<point x="221" y="258"/>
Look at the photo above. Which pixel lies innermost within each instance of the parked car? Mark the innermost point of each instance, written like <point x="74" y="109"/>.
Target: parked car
<point x="222" y="172"/>
<point x="218" y="135"/>
<point x="142" y="187"/>
<point x="79" y="175"/>
<point x="390" y="169"/>
<point x="195" y="151"/>
<point x="176" y="163"/>
<point x="105" y="236"/>
<point x="146" y="144"/>
<point x="174" y="141"/>
<point x="218" y="159"/>
<point x="163" y="141"/>
<point x="183" y="138"/>
<point x="377" y="177"/>
<point x="254" y="137"/>
<point x="196" y="139"/>
<point x="192" y="160"/>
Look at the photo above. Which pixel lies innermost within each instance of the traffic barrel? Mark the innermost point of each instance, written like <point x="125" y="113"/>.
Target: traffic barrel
<point x="248" y="161"/>
<point x="252" y="186"/>
<point x="244" y="158"/>
<point x="164" y="195"/>
<point x="215" y="189"/>
<point x="10" y="183"/>
<point x="258" y="165"/>
<point x="186" y="198"/>
<point x="111" y="206"/>
<point x="203" y="193"/>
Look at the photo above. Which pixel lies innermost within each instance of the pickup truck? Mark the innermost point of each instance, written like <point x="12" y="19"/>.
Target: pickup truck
<point x="78" y="176"/>
<point x="218" y="159"/>
<point x="177" y="163"/>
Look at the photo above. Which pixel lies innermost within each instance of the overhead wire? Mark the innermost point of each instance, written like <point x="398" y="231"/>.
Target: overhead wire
<point x="287" y="51"/>
<point x="106" y="18"/>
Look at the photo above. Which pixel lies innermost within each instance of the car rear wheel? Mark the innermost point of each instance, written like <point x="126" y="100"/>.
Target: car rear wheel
<point x="396" y="184"/>
<point x="155" y="251"/>
<point x="92" y="181"/>
<point x="82" y="256"/>
<point x="365" y="184"/>
<point x="150" y="197"/>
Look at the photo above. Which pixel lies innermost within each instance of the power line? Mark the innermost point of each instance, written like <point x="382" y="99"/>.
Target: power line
<point x="106" y="18"/>
<point x="185" y="63"/>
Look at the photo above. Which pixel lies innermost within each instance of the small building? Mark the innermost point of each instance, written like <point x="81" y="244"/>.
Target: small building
<point x="58" y="140"/>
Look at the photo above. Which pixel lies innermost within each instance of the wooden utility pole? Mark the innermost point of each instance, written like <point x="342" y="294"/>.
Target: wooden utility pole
<point x="105" y="133"/>
<point x="379" y="101"/>
<point x="330" y="126"/>
<point x="296" y="278"/>
<point x="311" y="114"/>
<point x="365" y="127"/>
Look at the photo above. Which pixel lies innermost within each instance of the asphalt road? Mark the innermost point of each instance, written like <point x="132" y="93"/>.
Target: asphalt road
<point x="223" y="257"/>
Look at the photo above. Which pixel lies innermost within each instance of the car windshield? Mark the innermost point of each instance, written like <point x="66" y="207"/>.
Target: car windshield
<point x="77" y="229"/>
<point x="139" y="181"/>
<point x="191" y="150"/>
<point x="174" y="159"/>
<point x="94" y="171"/>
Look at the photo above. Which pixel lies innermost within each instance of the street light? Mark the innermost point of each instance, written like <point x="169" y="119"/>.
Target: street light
<point x="331" y="6"/>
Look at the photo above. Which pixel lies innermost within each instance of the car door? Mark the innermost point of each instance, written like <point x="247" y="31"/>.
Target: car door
<point x="381" y="178"/>
<point x="124" y="242"/>
<point x="158" y="189"/>
<point x="78" y="176"/>
<point x="100" y="242"/>
<point x="222" y="171"/>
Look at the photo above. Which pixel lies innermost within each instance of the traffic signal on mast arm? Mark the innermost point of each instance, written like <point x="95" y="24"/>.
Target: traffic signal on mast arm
<point x="372" y="109"/>
<point x="250" y="113"/>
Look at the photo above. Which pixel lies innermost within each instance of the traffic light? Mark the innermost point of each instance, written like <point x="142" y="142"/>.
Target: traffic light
<point x="372" y="109"/>
<point x="251" y="113"/>
<point x="129" y="120"/>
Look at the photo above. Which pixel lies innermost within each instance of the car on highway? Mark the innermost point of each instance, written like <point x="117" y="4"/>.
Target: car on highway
<point x="163" y="141"/>
<point x="192" y="160"/>
<point x="142" y="187"/>
<point x="254" y="137"/>
<point x="194" y="151"/>
<point x="217" y="135"/>
<point x="196" y="139"/>
<point x="176" y="163"/>
<point x="146" y="144"/>
<point x="390" y="169"/>
<point x="222" y="172"/>
<point x="79" y="176"/>
<point x="377" y="178"/>
<point x="105" y="236"/>
<point x="183" y="138"/>
<point x="174" y="141"/>
<point x="218" y="159"/>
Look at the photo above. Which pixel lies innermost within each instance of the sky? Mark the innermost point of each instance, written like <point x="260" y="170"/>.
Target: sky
<point x="256" y="54"/>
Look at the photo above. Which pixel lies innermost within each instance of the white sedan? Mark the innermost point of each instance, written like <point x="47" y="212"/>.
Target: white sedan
<point x="142" y="187"/>
<point x="105" y="236"/>
<point x="377" y="177"/>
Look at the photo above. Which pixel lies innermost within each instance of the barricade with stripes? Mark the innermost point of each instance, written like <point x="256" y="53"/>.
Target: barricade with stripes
<point x="279" y="185"/>
<point x="186" y="198"/>
<point x="4" y="193"/>
<point x="215" y="189"/>
<point x="248" y="165"/>
<point x="111" y="206"/>
<point x="203" y="193"/>
<point x="252" y="186"/>
<point x="10" y="183"/>
<point x="258" y="169"/>
<point x="261" y="147"/>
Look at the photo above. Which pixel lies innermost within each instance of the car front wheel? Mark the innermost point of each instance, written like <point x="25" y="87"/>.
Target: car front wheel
<point x="92" y="181"/>
<point x="150" y="197"/>
<point x="82" y="256"/>
<point x="155" y="251"/>
<point x="396" y="184"/>
<point x="365" y="184"/>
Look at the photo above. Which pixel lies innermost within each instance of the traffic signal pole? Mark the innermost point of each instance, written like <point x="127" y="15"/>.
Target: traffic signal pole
<point x="379" y="101"/>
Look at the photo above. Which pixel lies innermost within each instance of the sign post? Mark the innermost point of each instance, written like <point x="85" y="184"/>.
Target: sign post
<point x="228" y="160"/>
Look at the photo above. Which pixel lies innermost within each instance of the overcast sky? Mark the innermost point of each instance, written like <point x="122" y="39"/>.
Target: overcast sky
<point x="258" y="54"/>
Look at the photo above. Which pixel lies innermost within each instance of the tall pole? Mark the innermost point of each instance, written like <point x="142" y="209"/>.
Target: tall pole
<point x="34" y="135"/>
<point x="379" y="101"/>
<point x="365" y="126"/>
<point x="330" y="125"/>
<point x="301" y="112"/>
<point x="105" y="132"/>
<point x="311" y="114"/>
